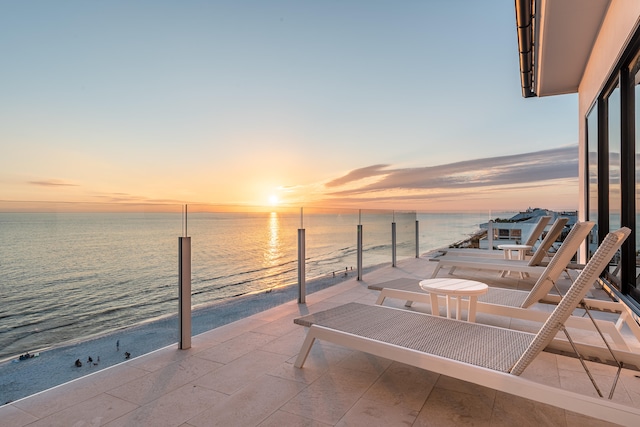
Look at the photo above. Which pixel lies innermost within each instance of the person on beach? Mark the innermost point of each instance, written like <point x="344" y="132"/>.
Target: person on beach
<point x="78" y="363"/>
<point x="127" y="355"/>
<point x="118" y="345"/>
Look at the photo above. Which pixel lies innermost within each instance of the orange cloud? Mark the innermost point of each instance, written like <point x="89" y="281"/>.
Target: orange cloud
<point x="52" y="183"/>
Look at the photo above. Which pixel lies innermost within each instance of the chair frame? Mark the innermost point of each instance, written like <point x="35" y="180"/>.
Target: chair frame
<point x="509" y="382"/>
<point x="532" y="266"/>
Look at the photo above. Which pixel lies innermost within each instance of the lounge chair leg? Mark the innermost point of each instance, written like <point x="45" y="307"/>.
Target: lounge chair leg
<point x="408" y="304"/>
<point x="304" y="350"/>
<point x="435" y="307"/>
<point x="435" y="271"/>
<point x="471" y="309"/>
<point x="449" y="309"/>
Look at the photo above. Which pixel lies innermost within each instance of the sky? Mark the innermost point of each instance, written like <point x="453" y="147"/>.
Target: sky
<point x="361" y="104"/>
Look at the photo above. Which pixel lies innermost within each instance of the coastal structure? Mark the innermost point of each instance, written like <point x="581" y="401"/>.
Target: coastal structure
<point x="593" y="49"/>
<point x="516" y="230"/>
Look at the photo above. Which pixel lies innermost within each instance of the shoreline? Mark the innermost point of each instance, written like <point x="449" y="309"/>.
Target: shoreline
<point x="55" y="365"/>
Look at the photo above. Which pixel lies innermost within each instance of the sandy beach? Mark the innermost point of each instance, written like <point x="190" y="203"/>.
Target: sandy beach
<point x="56" y="366"/>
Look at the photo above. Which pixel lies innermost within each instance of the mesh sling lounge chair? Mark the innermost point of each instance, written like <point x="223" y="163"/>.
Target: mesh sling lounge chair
<point x="534" y="265"/>
<point x="517" y="304"/>
<point x="486" y="355"/>
<point x="531" y="241"/>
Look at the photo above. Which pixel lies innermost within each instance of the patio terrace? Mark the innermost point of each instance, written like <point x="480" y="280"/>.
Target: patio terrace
<point x="242" y="374"/>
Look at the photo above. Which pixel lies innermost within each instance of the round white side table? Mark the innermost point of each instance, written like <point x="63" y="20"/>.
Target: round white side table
<point x="454" y="288"/>
<point x="519" y="250"/>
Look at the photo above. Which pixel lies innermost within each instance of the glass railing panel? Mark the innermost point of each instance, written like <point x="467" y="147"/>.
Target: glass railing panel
<point x="405" y="234"/>
<point x="331" y="243"/>
<point x="376" y="226"/>
<point x="242" y="251"/>
<point x="441" y="230"/>
<point x="71" y="271"/>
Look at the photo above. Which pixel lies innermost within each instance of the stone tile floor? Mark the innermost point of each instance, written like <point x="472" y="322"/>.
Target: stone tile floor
<point x="242" y="374"/>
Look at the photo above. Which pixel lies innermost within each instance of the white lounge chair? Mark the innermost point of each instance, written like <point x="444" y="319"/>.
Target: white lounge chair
<point x="486" y="355"/>
<point x="517" y="304"/>
<point x="532" y="266"/>
<point x="531" y="241"/>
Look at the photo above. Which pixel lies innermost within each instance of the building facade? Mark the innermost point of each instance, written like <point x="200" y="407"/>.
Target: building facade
<point x="592" y="48"/>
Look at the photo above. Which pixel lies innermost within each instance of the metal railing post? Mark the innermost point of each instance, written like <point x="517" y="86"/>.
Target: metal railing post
<point x="417" y="239"/>
<point x="359" y="246"/>
<point x="302" y="257"/>
<point x="490" y="235"/>
<point x="184" y="296"/>
<point x="393" y="244"/>
<point x="302" y="283"/>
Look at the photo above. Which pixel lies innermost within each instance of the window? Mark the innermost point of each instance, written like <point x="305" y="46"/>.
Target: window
<point x="507" y="234"/>
<point x="635" y="76"/>
<point x="612" y="176"/>
<point x="592" y="176"/>
<point x="613" y="103"/>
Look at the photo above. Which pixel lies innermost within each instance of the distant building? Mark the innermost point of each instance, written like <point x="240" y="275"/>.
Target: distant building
<point x="517" y="229"/>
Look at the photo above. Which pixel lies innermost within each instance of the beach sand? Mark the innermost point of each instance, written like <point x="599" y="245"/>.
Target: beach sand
<point x="56" y="366"/>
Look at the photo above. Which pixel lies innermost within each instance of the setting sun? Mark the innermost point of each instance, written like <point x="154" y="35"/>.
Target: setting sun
<point x="273" y="200"/>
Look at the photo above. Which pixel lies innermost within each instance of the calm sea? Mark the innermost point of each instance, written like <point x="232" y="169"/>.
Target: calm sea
<point x="68" y="276"/>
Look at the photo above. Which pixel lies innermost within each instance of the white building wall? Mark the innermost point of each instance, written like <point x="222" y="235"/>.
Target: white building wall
<point x="620" y="23"/>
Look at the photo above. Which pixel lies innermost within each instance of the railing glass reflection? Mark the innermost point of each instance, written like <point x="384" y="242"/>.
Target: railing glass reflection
<point x="70" y="271"/>
<point x="75" y="270"/>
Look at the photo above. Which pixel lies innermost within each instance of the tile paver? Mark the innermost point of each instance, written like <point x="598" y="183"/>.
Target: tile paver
<point x="242" y="374"/>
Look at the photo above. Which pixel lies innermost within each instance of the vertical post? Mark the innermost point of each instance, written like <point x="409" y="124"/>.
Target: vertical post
<point x="490" y="235"/>
<point x="393" y="244"/>
<point x="302" y="258"/>
<point x="417" y="239"/>
<point x="359" y="245"/>
<point x="184" y="272"/>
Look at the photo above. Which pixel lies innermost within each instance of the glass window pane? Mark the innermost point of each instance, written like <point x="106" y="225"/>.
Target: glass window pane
<point x="614" y="159"/>
<point x="637" y="171"/>
<point x="592" y="180"/>
<point x="614" y="143"/>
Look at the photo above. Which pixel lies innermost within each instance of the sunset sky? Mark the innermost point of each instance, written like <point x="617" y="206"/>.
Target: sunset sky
<point x="385" y="104"/>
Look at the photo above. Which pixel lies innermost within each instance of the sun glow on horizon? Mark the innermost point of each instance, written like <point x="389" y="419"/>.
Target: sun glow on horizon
<point x="273" y="200"/>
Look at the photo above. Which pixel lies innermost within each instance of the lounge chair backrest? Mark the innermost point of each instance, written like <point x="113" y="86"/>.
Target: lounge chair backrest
<point x="559" y="262"/>
<point x="552" y="236"/>
<point x="537" y="231"/>
<point x="575" y="294"/>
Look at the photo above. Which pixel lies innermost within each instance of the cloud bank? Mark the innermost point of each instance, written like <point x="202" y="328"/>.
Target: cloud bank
<point x="52" y="183"/>
<point x="546" y="165"/>
<point x="545" y="173"/>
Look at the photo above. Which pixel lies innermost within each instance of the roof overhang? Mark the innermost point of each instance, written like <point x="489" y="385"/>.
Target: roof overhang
<point x="555" y="39"/>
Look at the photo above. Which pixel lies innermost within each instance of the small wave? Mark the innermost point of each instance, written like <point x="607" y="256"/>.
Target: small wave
<point x="237" y="283"/>
<point x="253" y="271"/>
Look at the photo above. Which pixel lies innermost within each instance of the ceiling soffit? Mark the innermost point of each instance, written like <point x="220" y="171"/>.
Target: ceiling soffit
<point x="566" y="31"/>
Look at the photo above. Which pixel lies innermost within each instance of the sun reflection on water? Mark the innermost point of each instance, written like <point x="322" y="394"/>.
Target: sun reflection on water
<point x="272" y="254"/>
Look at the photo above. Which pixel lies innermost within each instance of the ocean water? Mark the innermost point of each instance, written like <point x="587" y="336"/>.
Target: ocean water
<point x="69" y="276"/>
